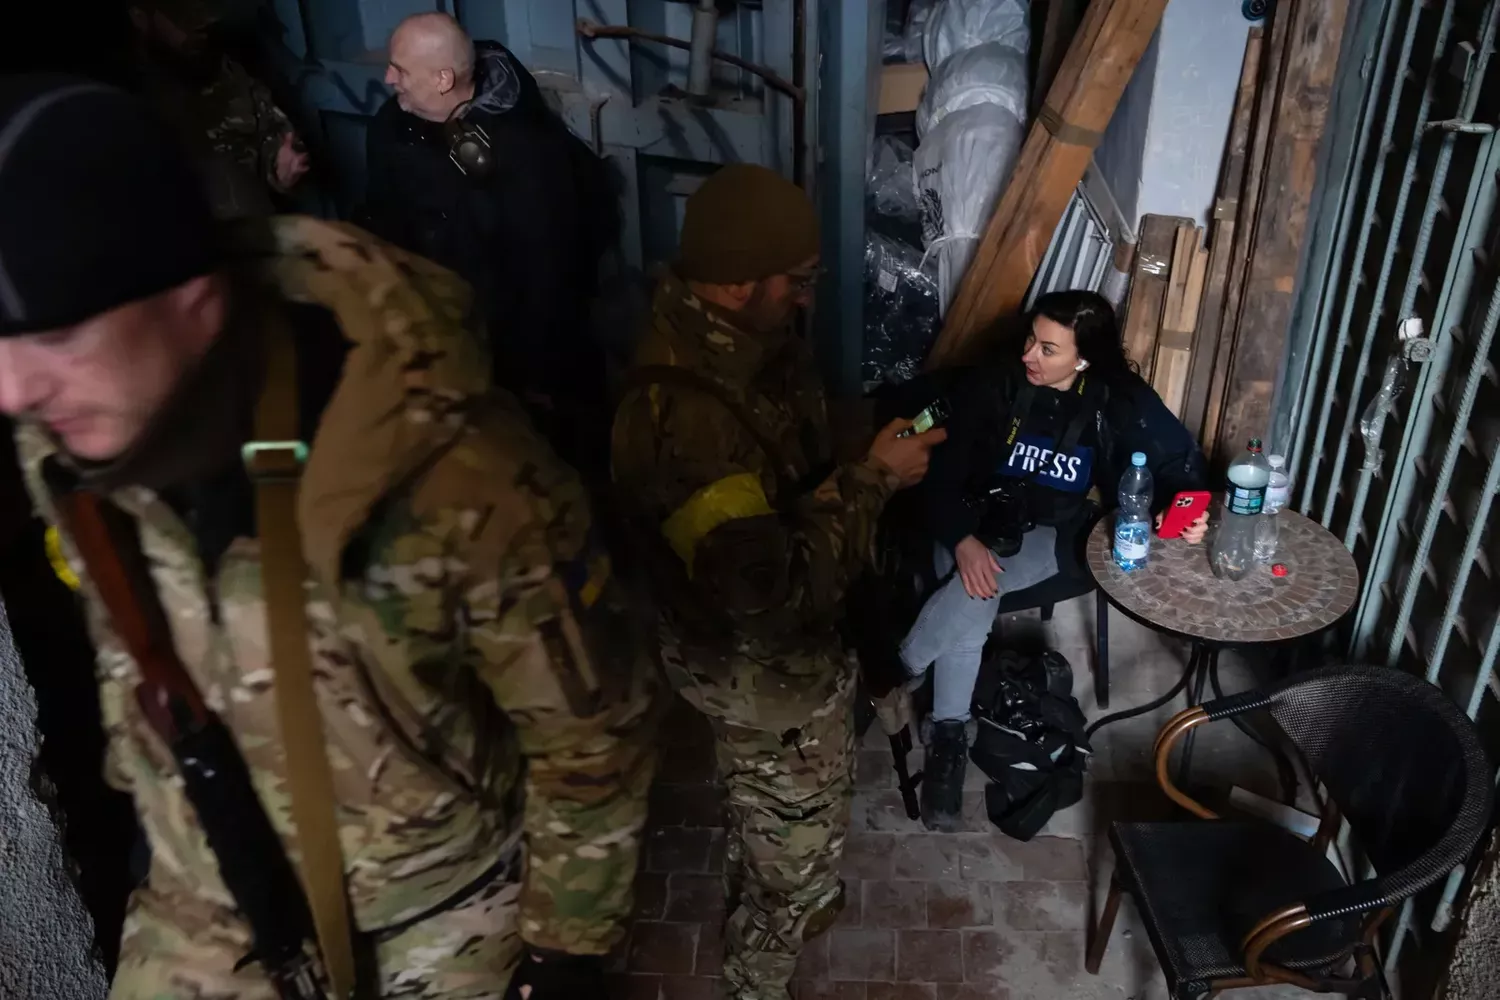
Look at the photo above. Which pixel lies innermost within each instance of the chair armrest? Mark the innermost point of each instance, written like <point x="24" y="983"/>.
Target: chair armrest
<point x="1362" y="897"/>
<point x="1189" y="719"/>
<point x="1235" y="704"/>
<point x="1287" y="920"/>
<point x="1176" y="728"/>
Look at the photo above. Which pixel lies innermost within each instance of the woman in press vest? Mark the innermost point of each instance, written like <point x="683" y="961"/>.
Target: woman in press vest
<point x="1036" y="447"/>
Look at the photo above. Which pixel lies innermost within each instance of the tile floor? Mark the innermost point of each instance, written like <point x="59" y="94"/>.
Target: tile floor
<point x="967" y="916"/>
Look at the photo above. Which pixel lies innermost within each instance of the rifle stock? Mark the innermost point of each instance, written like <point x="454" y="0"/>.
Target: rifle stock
<point x="905" y="780"/>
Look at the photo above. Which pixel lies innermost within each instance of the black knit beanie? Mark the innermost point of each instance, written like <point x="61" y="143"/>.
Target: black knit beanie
<point x="99" y="206"/>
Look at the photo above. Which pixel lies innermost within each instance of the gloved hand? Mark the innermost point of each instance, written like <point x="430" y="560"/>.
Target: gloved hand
<point x="555" y="976"/>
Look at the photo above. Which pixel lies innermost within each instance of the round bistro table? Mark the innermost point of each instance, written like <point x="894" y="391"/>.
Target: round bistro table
<point x="1177" y="593"/>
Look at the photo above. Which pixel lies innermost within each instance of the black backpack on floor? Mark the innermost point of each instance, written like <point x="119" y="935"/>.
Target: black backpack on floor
<point x="1031" y="740"/>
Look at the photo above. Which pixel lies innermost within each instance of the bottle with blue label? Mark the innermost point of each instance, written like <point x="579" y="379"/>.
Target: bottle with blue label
<point x="1133" y="518"/>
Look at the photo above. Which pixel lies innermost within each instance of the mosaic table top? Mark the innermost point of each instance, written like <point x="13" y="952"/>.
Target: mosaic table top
<point x="1177" y="591"/>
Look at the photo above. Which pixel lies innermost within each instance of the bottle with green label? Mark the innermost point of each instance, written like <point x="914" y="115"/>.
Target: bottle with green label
<point x="1233" y="549"/>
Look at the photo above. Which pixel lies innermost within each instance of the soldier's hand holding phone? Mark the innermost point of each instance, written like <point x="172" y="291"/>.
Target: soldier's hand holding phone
<point x="906" y="454"/>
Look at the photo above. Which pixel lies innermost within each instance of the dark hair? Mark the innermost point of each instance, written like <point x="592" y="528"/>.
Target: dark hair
<point x="1095" y="331"/>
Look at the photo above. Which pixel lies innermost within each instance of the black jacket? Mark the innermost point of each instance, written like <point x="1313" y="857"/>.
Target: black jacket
<point x="528" y="238"/>
<point x="1119" y="419"/>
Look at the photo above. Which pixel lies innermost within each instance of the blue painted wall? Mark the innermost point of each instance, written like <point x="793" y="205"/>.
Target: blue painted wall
<point x="627" y="100"/>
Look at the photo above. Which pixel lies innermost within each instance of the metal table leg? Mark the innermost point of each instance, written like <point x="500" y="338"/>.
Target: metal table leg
<point x="1101" y="650"/>
<point x="1206" y="661"/>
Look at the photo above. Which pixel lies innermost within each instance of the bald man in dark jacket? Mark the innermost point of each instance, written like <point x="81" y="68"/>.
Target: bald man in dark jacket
<point x="527" y="232"/>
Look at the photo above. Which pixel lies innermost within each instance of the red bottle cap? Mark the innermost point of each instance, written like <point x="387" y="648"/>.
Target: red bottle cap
<point x="1279" y="569"/>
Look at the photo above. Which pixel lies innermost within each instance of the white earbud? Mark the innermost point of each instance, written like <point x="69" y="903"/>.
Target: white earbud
<point x="1080" y="366"/>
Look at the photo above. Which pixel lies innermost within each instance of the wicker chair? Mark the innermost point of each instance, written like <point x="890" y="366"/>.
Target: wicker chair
<point x="1229" y="904"/>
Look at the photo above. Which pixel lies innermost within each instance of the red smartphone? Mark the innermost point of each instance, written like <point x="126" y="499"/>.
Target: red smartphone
<point x="1186" y="508"/>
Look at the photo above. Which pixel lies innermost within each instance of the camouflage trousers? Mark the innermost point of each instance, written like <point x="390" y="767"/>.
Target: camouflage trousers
<point x="179" y="946"/>
<point x="789" y="799"/>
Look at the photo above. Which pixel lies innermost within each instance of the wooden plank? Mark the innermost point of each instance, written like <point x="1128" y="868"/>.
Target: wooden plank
<point x="1197" y="279"/>
<point x="1179" y="337"/>
<point x="1184" y="249"/>
<point x="1175" y="341"/>
<point x="1221" y="241"/>
<point x="1315" y="33"/>
<point x="1149" y="283"/>
<point x="1247" y="214"/>
<point x="901" y="86"/>
<point x="1103" y="55"/>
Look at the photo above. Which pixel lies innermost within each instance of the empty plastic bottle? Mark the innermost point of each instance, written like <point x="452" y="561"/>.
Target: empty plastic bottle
<point x="1278" y="492"/>
<point x="1133" y="518"/>
<point x="1233" y="550"/>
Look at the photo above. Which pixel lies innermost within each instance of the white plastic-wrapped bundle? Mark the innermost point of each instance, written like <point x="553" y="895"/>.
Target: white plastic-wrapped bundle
<point x="915" y="37"/>
<point x="962" y="165"/>
<point x="992" y="73"/>
<point x="891" y="181"/>
<point x="956" y="25"/>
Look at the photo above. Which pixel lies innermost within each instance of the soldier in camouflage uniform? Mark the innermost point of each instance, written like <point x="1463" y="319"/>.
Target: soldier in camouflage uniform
<point x="488" y="727"/>
<point x="770" y="539"/>
<point x="244" y="144"/>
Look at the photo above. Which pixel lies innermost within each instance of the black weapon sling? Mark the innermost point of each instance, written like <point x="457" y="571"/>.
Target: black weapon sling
<point x="682" y="378"/>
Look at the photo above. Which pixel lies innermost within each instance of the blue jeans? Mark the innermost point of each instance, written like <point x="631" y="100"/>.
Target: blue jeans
<point x="953" y="627"/>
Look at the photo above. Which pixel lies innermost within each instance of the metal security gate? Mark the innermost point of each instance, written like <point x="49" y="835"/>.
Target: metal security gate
<point x="1393" y="426"/>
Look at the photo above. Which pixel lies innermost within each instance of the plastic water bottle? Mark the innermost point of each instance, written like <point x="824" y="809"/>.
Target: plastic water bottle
<point x="1233" y="551"/>
<point x="1133" y="518"/>
<point x="1278" y="492"/>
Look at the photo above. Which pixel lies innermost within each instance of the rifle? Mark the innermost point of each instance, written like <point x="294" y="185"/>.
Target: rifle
<point x="876" y="604"/>
<point x="250" y="856"/>
<point x="905" y="780"/>
<point x="300" y="927"/>
<point x="893" y="710"/>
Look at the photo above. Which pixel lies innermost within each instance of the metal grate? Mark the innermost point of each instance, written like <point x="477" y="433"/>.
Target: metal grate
<point x="1079" y="254"/>
<point x="1417" y="237"/>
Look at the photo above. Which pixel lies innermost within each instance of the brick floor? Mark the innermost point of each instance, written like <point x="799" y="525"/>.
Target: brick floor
<point x="965" y="916"/>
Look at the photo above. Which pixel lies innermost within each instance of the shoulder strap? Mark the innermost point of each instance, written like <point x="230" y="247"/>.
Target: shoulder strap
<point x="1019" y="411"/>
<point x="683" y="378"/>
<point x="274" y="462"/>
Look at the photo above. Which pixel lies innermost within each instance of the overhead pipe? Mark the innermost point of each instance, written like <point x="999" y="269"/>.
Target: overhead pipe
<point x="701" y="48"/>
<point x="593" y="29"/>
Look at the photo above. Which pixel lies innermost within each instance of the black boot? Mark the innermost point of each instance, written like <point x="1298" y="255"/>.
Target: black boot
<point x="943" y="777"/>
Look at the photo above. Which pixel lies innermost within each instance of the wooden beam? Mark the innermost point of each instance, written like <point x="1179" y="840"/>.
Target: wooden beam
<point x="1197" y="278"/>
<point x="1315" y="32"/>
<point x="1174" y="343"/>
<point x="1221" y="241"/>
<point x="1149" y="282"/>
<point x="1271" y="59"/>
<point x="1100" y="61"/>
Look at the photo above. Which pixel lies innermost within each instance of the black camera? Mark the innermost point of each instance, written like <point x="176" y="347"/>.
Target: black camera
<point x="1004" y="517"/>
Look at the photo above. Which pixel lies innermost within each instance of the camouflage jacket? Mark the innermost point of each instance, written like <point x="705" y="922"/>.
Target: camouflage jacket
<point x="774" y="548"/>
<point x="232" y="124"/>
<point x="458" y="611"/>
